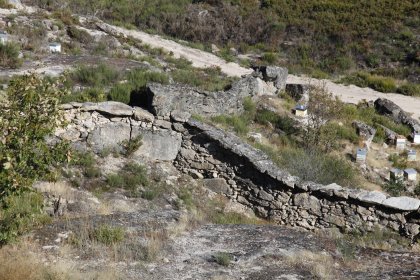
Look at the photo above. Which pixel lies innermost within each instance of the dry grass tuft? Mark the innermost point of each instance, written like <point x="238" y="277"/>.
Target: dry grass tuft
<point x="319" y="265"/>
<point x="19" y="262"/>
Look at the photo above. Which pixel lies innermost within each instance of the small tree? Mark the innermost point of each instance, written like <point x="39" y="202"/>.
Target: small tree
<point x="323" y="107"/>
<point x="28" y="116"/>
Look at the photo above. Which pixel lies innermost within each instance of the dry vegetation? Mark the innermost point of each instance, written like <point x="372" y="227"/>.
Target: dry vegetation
<point x="320" y="265"/>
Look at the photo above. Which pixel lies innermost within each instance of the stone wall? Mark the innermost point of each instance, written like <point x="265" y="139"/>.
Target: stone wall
<point x="254" y="180"/>
<point x="231" y="167"/>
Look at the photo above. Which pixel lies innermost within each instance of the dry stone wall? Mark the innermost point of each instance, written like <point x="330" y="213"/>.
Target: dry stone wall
<point x="254" y="180"/>
<point x="234" y="168"/>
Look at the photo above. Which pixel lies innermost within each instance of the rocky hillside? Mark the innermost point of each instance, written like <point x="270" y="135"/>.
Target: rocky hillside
<point x="316" y="37"/>
<point x="131" y="156"/>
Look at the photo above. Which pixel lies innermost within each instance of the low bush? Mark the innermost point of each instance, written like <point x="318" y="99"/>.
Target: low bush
<point x="133" y="91"/>
<point x="398" y="161"/>
<point x="94" y="76"/>
<point x="417" y="189"/>
<point x="9" y="55"/>
<point x="210" y="79"/>
<point x="185" y="196"/>
<point x="239" y="124"/>
<point x="108" y="235"/>
<point x="409" y="89"/>
<point x="379" y="83"/>
<point x="372" y="118"/>
<point x="284" y="123"/>
<point x="4" y="4"/>
<point x="88" y="95"/>
<point x="223" y="258"/>
<point x="394" y="188"/>
<point x="132" y="145"/>
<point x="20" y="213"/>
<point x="121" y="93"/>
<point x="270" y="58"/>
<point x="130" y="178"/>
<point x="312" y="165"/>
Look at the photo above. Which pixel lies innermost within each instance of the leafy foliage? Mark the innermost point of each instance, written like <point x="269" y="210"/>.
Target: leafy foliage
<point x="29" y="115"/>
<point x="323" y="108"/>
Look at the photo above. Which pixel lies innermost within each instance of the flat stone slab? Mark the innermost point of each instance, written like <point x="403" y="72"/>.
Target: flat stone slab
<point x="113" y="108"/>
<point x="374" y="197"/>
<point x="404" y="203"/>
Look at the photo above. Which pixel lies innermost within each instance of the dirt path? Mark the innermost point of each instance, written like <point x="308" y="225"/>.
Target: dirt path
<point x="349" y="94"/>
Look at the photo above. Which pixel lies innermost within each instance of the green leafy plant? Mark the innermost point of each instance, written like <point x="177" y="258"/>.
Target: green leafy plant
<point x="132" y="145"/>
<point x="29" y="115"/>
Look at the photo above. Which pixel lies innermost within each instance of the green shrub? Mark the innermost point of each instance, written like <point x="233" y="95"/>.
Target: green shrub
<point x="115" y="181"/>
<point x="87" y="95"/>
<point x="239" y="124"/>
<point x="223" y="258"/>
<point x="83" y="159"/>
<point x="95" y="76"/>
<point x="210" y="79"/>
<point x="64" y="15"/>
<point x="132" y="145"/>
<point x="342" y="132"/>
<point x="394" y="188"/>
<point x="270" y="58"/>
<point x="29" y="115"/>
<point x="409" y="89"/>
<point x="132" y="91"/>
<point x="4" y="4"/>
<point x="375" y="82"/>
<point x="186" y="197"/>
<point x="398" y="161"/>
<point x="108" y="235"/>
<point x="20" y="213"/>
<point x="130" y="178"/>
<point x="231" y="218"/>
<point x="9" y="55"/>
<point x="372" y="118"/>
<point x="312" y="165"/>
<point x="121" y="93"/>
<point x="284" y="123"/>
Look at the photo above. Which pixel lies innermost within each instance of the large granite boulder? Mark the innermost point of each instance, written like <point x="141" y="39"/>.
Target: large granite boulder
<point x="161" y="100"/>
<point x="299" y="92"/>
<point x="277" y="75"/>
<point x="392" y="110"/>
<point x="366" y="132"/>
